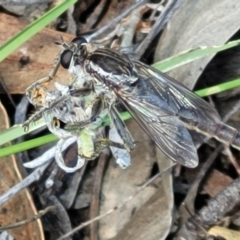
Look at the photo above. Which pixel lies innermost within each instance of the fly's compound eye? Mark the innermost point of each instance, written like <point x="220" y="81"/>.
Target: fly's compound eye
<point x="79" y="41"/>
<point x="66" y="58"/>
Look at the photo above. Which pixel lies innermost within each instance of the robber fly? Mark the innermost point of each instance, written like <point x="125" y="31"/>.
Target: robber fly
<point x="163" y="107"/>
<point x="78" y="111"/>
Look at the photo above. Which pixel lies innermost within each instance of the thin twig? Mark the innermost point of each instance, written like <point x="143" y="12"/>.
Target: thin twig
<point x="130" y="28"/>
<point x="166" y="15"/>
<point x="43" y="161"/>
<point x="157" y="7"/>
<point x="224" y="202"/>
<point x="116" y="20"/>
<point x="28" y="220"/>
<point x="94" y="205"/>
<point x="191" y="195"/>
<point x="117" y="207"/>
<point x="34" y="176"/>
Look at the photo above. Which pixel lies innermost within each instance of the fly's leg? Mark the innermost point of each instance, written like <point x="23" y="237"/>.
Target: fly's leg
<point x="100" y="145"/>
<point x="36" y="92"/>
<point x="77" y="127"/>
<point x="35" y="117"/>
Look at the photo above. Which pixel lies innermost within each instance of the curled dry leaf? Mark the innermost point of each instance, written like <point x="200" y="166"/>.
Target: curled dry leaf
<point x="201" y="23"/>
<point x="21" y="206"/>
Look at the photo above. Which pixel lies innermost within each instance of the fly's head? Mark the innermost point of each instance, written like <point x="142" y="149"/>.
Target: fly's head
<point x="74" y="54"/>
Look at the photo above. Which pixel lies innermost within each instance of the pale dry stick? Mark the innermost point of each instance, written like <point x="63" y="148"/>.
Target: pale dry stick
<point x="166" y="15"/>
<point x="130" y="28"/>
<point x="194" y="220"/>
<point x="35" y="175"/>
<point x="157" y="7"/>
<point x="116" y="207"/>
<point x="231" y="112"/>
<point x="116" y="20"/>
<point x="110" y="35"/>
<point x="72" y="26"/>
<point x="222" y="204"/>
<point x="28" y="220"/>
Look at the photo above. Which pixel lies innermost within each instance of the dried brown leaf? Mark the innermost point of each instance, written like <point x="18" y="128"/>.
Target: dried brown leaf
<point x="40" y="50"/>
<point x="119" y="185"/>
<point x="21" y="206"/>
<point x="216" y="181"/>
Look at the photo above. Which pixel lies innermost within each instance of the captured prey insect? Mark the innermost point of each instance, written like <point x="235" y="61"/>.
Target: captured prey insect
<point x="78" y="111"/>
<point x="163" y="107"/>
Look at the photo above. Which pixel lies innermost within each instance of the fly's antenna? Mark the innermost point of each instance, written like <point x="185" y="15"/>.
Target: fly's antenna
<point x="62" y="43"/>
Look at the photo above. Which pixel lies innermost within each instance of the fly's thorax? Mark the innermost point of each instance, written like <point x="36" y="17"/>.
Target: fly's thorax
<point x="113" y="69"/>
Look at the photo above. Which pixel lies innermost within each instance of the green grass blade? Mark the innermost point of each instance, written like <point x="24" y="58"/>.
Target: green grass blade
<point x="219" y="88"/>
<point x="17" y="131"/>
<point x="36" y="142"/>
<point x="192" y="55"/>
<point x="33" y="28"/>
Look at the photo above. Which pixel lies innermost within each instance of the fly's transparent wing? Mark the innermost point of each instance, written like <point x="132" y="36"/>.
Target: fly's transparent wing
<point x="166" y="130"/>
<point x="122" y="156"/>
<point x="190" y="108"/>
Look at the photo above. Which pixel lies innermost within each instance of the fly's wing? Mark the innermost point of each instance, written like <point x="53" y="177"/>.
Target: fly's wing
<point x="166" y="130"/>
<point x="191" y="108"/>
<point x="122" y="156"/>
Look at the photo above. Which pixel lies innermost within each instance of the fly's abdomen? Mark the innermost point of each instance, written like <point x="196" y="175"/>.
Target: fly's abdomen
<point x="222" y="132"/>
